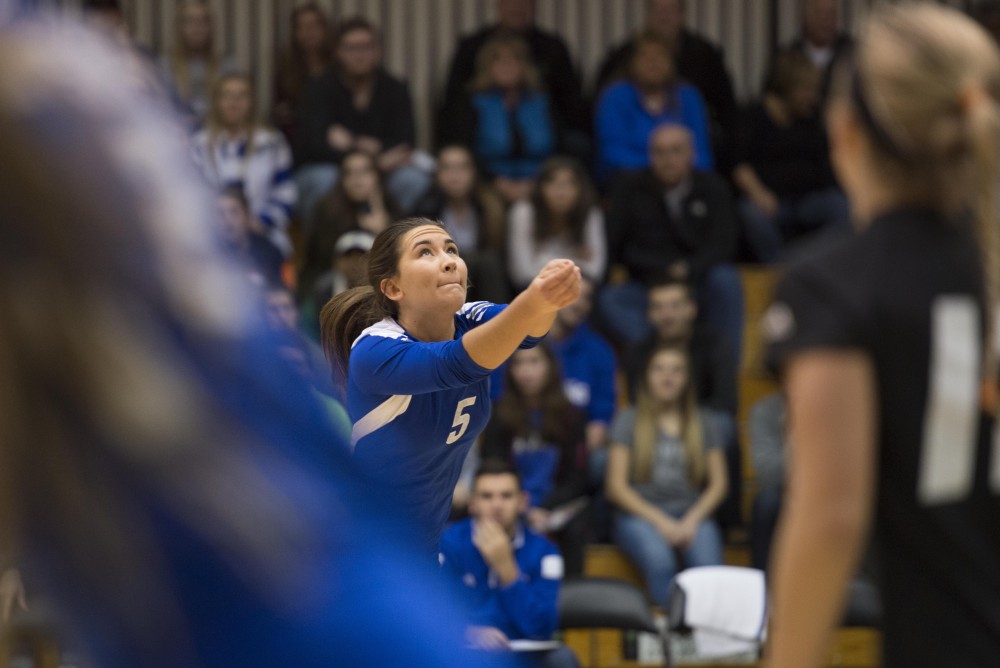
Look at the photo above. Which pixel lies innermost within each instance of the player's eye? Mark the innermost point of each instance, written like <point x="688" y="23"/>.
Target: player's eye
<point x="453" y="250"/>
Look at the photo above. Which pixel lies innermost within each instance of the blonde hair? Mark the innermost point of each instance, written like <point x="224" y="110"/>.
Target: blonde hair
<point x="648" y="410"/>
<point x="927" y="84"/>
<point x="483" y="79"/>
<point x="179" y="55"/>
<point x="214" y="124"/>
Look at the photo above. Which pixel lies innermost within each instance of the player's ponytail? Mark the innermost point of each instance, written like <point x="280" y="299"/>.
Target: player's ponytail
<point x="349" y="313"/>
<point x="926" y="87"/>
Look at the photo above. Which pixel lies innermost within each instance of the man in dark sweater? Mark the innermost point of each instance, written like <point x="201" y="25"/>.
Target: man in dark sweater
<point x="698" y="62"/>
<point x="674" y="220"/>
<point x="551" y="57"/>
<point x="357" y="105"/>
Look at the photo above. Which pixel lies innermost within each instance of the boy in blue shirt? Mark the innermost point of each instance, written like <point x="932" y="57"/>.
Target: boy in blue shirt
<point x="509" y="575"/>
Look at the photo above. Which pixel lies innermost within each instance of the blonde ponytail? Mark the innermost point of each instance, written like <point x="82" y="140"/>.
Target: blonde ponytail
<point x="984" y="122"/>
<point x="931" y="83"/>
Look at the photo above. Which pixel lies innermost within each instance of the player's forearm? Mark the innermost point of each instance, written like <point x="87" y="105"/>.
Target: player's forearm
<point x="816" y="555"/>
<point x="490" y="344"/>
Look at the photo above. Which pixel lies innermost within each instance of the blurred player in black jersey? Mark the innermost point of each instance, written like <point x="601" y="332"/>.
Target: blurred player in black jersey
<point x="883" y="345"/>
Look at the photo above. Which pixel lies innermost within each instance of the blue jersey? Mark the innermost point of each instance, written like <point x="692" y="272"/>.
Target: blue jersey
<point x="417" y="408"/>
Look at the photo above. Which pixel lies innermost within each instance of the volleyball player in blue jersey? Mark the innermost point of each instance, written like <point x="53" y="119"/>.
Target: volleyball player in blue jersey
<point x="418" y="360"/>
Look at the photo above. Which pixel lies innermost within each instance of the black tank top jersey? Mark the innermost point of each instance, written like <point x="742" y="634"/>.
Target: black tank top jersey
<point x="908" y="291"/>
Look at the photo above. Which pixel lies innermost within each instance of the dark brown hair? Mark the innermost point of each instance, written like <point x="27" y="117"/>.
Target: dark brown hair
<point x="790" y="68"/>
<point x="332" y="216"/>
<point x="353" y="23"/>
<point x="293" y="69"/>
<point x="349" y="313"/>
<point x="577" y="217"/>
<point x="514" y="408"/>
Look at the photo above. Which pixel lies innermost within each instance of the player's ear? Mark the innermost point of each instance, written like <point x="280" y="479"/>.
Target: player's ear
<point x="524" y="502"/>
<point x="390" y="288"/>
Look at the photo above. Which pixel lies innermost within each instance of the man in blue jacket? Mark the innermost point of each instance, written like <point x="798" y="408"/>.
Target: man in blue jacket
<point x="509" y="575"/>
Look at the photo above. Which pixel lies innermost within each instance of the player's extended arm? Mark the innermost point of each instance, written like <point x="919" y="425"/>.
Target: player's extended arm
<point x="530" y="314"/>
<point x="832" y="417"/>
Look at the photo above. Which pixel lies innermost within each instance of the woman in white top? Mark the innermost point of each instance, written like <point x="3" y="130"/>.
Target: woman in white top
<point x="236" y="150"/>
<point x="560" y="220"/>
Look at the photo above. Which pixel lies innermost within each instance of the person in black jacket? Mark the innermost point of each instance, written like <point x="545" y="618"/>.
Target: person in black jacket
<point x="822" y="39"/>
<point x="698" y="61"/>
<point x="537" y="429"/>
<point x="357" y="105"/>
<point x="672" y="219"/>
<point x="552" y="59"/>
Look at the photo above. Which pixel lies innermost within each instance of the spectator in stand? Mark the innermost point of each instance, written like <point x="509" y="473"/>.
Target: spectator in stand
<point x="506" y="117"/>
<point x="783" y="171"/>
<point x="666" y="475"/>
<point x="259" y="258"/>
<point x="712" y="368"/>
<point x="357" y="105"/>
<point x="550" y="57"/>
<point x="672" y="219"/>
<point x="672" y="314"/>
<point x="194" y="64"/>
<point x="473" y="214"/>
<point x="349" y="269"/>
<point x="508" y="574"/>
<point x="536" y="428"/>
<point x="588" y="365"/>
<point x="628" y="111"/>
<point x="357" y="201"/>
<point x="236" y="149"/>
<point x="822" y="40"/>
<point x="698" y="61"/>
<point x="767" y="447"/>
<point x="561" y="219"/>
<point x="305" y="59"/>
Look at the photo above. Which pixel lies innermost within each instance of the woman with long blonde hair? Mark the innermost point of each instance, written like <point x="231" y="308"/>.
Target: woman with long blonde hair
<point x="887" y="346"/>
<point x="194" y="62"/>
<point x="667" y="475"/>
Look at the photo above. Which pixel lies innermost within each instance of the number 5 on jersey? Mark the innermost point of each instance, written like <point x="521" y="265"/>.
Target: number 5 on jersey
<point x="461" y="422"/>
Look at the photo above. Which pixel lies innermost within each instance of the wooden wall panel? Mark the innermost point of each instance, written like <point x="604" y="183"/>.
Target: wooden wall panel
<point x="420" y="35"/>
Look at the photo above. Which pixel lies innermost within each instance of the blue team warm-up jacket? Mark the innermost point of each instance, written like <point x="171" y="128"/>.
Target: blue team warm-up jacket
<point x="528" y="608"/>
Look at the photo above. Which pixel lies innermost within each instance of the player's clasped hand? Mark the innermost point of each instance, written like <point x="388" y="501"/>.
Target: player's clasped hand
<point x="557" y="284"/>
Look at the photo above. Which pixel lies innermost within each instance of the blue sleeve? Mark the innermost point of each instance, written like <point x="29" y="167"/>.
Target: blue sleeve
<point x="531" y="603"/>
<point x="603" y="392"/>
<point x="382" y="365"/>
<point x="476" y="313"/>
<point x="617" y="131"/>
<point x="696" y="118"/>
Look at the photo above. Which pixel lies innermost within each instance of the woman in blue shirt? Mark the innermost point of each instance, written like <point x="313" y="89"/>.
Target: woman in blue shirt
<point x="418" y="360"/>
<point x="507" y="118"/>
<point x="630" y="110"/>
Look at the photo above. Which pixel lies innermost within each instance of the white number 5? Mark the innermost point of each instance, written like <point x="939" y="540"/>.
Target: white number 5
<point x="461" y="422"/>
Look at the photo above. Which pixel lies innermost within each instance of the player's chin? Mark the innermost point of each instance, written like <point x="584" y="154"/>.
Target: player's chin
<point x="455" y="294"/>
